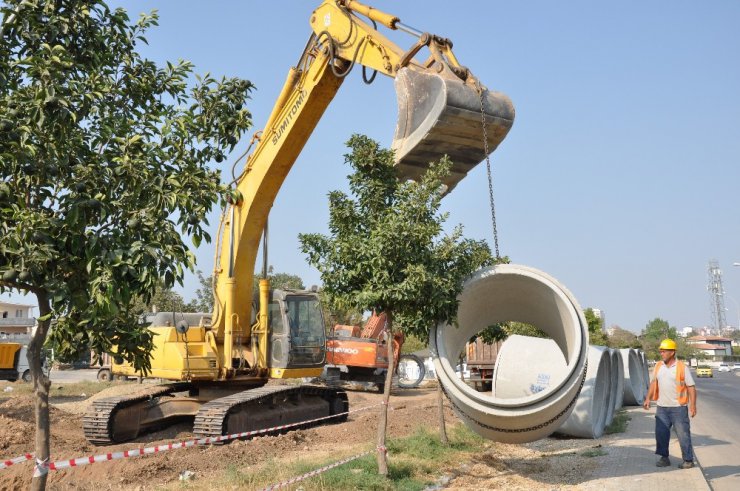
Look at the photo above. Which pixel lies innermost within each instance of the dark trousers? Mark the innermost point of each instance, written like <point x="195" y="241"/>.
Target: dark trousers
<point x="677" y="418"/>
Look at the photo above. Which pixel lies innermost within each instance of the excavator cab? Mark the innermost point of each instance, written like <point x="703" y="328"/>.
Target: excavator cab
<point x="297" y="333"/>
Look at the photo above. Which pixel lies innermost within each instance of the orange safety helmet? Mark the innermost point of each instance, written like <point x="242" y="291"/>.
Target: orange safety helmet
<point x="667" y="344"/>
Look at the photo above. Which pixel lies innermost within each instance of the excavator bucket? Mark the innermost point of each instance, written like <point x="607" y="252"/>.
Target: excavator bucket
<point x="438" y="114"/>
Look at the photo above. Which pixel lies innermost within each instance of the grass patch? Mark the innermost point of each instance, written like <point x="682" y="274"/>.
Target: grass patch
<point x="414" y="462"/>
<point x="76" y="389"/>
<point x="619" y="423"/>
<point x="594" y="452"/>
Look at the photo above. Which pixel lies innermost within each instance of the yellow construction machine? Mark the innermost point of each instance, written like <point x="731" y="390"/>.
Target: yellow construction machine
<point x="219" y="364"/>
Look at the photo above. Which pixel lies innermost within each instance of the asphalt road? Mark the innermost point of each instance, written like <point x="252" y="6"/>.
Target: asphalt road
<point x="71" y="376"/>
<point x="716" y="429"/>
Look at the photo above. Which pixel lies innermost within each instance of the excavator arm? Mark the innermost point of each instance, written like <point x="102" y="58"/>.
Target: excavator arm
<point x="441" y="108"/>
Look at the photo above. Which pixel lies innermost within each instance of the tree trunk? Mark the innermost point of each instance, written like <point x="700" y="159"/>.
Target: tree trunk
<point x="41" y="386"/>
<point x="441" y="411"/>
<point x="383" y="420"/>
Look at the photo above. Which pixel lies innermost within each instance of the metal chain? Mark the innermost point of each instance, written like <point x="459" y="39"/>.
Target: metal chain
<point x="488" y="169"/>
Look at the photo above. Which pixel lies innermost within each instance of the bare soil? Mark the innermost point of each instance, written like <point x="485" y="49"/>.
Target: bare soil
<point x="548" y="464"/>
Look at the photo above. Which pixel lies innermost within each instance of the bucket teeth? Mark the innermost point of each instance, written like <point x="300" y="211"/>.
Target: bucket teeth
<point x="438" y="114"/>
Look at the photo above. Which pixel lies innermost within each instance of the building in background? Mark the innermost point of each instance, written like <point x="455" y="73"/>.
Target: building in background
<point x="712" y="345"/>
<point x="16" y="320"/>
<point x="686" y="331"/>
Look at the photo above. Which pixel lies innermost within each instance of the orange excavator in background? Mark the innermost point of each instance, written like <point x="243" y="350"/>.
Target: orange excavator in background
<point x="219" y="365"/>
<point x="355" y="354"/>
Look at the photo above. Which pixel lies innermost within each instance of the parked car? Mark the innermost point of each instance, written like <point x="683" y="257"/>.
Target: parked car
<point x="704" y="371"/>
<point x="724" y="367"/>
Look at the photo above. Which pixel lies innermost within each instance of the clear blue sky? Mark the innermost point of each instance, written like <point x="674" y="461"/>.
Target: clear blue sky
<point x="620" y="177"/>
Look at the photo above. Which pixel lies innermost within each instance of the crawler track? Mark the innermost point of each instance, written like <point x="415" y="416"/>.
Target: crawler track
<point x="267" y="407"/>
<point x="98" y="421"/>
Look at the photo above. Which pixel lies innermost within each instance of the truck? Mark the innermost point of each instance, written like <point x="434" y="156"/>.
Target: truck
<point x="218" y="368"/>
<point x="481" y="358"/>
<point x="14" y="363"/>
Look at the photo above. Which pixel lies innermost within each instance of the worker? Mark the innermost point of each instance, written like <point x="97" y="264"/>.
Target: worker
<point x="675" y="390"/>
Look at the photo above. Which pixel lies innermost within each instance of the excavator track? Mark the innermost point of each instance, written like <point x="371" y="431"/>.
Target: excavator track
<point x="98" y="423"/>
<point x="268" y="407"/>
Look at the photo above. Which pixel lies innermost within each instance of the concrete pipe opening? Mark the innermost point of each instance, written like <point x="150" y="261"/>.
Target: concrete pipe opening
<point x="618" y="373"/>
<point x="510" y="292"/>
<point x="633" y="395"/>
<point x="588" y="418"/>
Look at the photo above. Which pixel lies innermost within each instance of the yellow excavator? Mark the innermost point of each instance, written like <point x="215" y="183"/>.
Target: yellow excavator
<point x="219" y="364"/>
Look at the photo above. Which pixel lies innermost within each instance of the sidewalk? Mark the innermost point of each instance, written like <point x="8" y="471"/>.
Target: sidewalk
<point x="630" y="460"/>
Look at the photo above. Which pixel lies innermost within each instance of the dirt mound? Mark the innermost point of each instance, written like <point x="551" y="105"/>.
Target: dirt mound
<point x="549" y="460"/>
<point x="16" y="421"/>
<point x="411" y="409"/>
<point x="80" y="405"/>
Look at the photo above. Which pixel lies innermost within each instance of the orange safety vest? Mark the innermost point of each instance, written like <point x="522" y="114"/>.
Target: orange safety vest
<point x="681" y="390"/>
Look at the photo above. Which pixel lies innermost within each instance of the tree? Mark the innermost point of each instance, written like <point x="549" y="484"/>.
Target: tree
<point x="164" y="299"/>
<point x="412" y="344"/>
<point x="387" y="252"/>
<point x="595" y="328"/>
<point x="334" y="315"/>
<point x="501" y="331"/>
<point x="279" y="281"/>
<point x="103" y="157"/>
<point x="734" y="335"/>
<point x="685" y="350"/>
<point x="655" y="331"/>
<point x="203" y="301"/>
<point x="622" y="338"/>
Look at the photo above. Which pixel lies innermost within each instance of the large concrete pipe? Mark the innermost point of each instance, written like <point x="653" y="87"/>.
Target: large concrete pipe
<point x="526" y="365"/>
<point x="588" y="418"/>
<point x="510" y="292"/>
<point x="618" y="388"/>
<point x="633" y="395"/>
<point x="614" y="387"/>
<point x="645" y="372"/>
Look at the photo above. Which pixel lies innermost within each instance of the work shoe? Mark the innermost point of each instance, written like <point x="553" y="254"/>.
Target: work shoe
<point x="686" y="464"/>
<point x="663" y="462"/>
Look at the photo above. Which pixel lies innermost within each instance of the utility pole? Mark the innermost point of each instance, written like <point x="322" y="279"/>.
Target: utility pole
<point x="716" y="297"/>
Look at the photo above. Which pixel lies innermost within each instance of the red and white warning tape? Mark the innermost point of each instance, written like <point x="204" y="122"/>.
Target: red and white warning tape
<point x="17" y="460"/>
<point x="43" y="468"/>
<point x="315" y="472"/>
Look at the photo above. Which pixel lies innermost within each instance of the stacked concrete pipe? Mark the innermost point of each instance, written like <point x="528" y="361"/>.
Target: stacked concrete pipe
<point x="588" y="418"/>
<point x="645" y="372"/>
<point x="510" y="292"/>
<point x="633" y="388"/>
<point x="618" y="389"/>
<point x="615" y="386"/>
